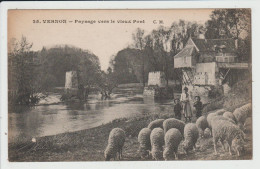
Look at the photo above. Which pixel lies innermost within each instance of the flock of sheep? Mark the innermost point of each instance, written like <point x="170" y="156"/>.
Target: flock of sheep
<point x="162" y="138"/>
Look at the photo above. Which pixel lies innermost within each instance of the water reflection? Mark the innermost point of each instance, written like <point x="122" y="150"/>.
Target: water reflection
<point x="45" y="120"/>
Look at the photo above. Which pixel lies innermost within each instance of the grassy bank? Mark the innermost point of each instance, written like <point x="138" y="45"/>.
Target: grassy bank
<point x="239" y="95"/>
<point x="89" y="145"/>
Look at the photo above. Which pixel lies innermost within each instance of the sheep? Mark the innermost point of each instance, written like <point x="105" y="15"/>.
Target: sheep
<point x="224" y="130"/>
<point x="157" y="142"/>
<point x="172" y="139"/>
<point x="214" y="113"/>
<point x="156" y="123"/>
<point x="242" y="113"/>
<point x="173" y="123"/>
<point x="220" y="112"/>
<point x="191" y="135"/>
<point x="230" y="115"/>
<point x="209" y="118"/>
<point x="202" y="124"/>
<point x="144" y="142"/>
<point x="115" y="145"/>
<point x="216" y="118"/>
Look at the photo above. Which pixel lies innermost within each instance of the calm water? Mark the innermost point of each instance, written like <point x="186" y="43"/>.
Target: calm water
<point x="43" y="120"/>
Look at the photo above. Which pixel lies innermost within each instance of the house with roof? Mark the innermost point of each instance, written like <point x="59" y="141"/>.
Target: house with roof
<point x="208" y="63"/>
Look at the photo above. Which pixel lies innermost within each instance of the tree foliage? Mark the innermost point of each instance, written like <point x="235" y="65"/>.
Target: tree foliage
<point x="232" y="23"/>
<point x="22" y="73"/>
<point x="229" y="23"/>
<point x="56" y="61"/>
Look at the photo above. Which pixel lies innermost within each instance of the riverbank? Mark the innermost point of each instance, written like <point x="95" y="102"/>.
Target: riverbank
<point x="89" y="145"/>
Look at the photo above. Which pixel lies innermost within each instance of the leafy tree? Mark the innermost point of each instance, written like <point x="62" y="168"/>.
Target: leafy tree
<point x="228" y="23"/>
<point x="125" y="65"/>
<point x="57" y="60"/>
<point x="138" y="37"/>
<point x="232" y="23"/>
<point x="22" y="73"/>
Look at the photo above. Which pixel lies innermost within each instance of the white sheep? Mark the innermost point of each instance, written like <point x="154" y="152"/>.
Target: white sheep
<point x="115" y="145"/>
<point x="173" y="123"/>
<point x="144" y="142"/>
<point x="224" y="130"/>
<point x="215" y="118"/>
<point x="191" y="135"/>
<point x="202" y="124"/>
<point x="242" y="113"/>
<point x="219" y="112"/>
<point x="230" y="115"/>
<point x="156" y="123"/>
<point x="172" y="139"/>
<point x="157" y="142"/>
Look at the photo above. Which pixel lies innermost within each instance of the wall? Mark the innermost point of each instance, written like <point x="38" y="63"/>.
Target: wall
<point x="180" y="62"/>
<point x="206" y="74"/>
<point x="156" y="78"/>
<point x="71" y="80"/>
<point x="211" y="56"/>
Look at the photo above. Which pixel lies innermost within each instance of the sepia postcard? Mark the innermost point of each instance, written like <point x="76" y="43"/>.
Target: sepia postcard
<point x="169" y="84"/>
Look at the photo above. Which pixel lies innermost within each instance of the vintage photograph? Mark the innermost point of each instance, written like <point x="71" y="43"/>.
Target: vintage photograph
<point x="129" y="85"/>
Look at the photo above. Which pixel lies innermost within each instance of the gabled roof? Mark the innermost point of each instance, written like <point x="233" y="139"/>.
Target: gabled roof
<point x="186" y="51"/>
<point x="209" y="45"/>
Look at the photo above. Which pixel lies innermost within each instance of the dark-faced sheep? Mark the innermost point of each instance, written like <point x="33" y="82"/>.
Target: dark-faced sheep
<point x="156" y="123"/>
<point x="224" y="130"/>
<point x="172" y="139"/>
<point x="191" y="135"/>
<point x="144" y="142"/>
<point x="115" y="145"/>
<point x="157" y="142"/>
<point x="173" y="123"/>
<point x="202" y="124"/>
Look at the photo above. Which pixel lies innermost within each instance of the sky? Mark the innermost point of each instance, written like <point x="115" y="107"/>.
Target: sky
<point x="102" y="39"/>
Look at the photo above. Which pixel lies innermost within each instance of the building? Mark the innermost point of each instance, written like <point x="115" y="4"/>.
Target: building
<point x="204" y="64"/>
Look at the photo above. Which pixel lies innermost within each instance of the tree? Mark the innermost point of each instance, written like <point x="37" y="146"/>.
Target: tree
<point x="138" y="38"/>
<point x="161" y="38"/>
<point x="57" y="60"/>
<point x="126" y="66"/>
<point x="232" y="23"/>
<point x="228" y="23"/>
<point x="22" y="73"/>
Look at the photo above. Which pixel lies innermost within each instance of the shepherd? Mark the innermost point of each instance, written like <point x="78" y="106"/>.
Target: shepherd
<point x="185" y="100"/>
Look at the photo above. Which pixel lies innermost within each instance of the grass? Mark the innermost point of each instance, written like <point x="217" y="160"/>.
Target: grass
<point x="89" y="145"/>
<point x="239" y="95"/>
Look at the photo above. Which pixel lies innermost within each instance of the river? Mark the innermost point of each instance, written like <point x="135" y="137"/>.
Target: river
<point x="50" y="119"/>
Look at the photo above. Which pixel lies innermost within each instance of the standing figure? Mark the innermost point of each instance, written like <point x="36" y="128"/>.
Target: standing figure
<point x="185" y="99"/>
<point x="177" y="109"/>
<point x="198" y="106"/>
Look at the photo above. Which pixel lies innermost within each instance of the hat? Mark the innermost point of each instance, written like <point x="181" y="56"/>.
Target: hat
<point x="185" y="88"/>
